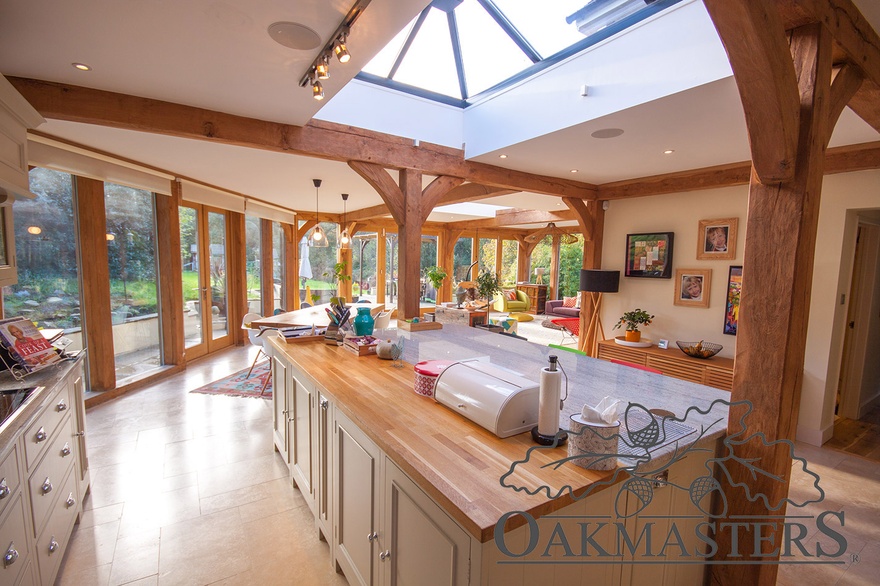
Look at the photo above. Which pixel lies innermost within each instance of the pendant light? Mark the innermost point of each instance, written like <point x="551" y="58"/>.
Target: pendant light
<point x="318" y="239"/>
<point x="344" y="239"/>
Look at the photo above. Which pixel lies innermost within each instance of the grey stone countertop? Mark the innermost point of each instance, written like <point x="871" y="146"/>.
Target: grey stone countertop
<point x="589" y="379"/>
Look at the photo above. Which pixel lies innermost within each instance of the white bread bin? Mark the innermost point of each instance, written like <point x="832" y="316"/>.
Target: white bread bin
<point x="503" y="402"/>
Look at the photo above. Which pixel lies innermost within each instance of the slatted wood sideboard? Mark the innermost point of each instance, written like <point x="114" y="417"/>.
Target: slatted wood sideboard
<point x="714" y="372"/>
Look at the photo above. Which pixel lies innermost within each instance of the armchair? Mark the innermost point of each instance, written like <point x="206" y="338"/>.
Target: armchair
<point x="522" y="303"/>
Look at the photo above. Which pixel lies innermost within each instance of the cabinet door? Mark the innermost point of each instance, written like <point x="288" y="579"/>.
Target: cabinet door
<point x="420" y="543"/>
<point x="280" y="407"/>
<point x="357" y="462"/>
<point x="82" y="454"/>
<point x="303" y="402"/>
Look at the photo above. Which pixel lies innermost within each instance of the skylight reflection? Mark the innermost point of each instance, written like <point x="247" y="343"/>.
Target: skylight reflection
<point x="490" y="56"/>
<point x="429" y="63"/>
<point x="381" y="63"/>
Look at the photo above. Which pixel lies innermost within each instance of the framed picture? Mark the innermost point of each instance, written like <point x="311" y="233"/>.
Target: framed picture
<point x="692" y="287"/>
<point x="731" y="312"/>
<point x="649" y="255"/>
<point x="717" y="239"/>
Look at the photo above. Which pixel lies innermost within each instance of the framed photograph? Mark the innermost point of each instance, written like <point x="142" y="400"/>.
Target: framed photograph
<point x="692" y="287"/>
<point x="649" y="255"/>
<point x="717" y="239"/>
<point x="731" y="312"/>
<point x="663" y="344"/>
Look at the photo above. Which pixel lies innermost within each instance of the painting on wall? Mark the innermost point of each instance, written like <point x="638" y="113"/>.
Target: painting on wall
<point x="692" y="287"/>
<point x="649" y="255"/>
<point x="734" y="287"/>
<point x="716" y="239"/>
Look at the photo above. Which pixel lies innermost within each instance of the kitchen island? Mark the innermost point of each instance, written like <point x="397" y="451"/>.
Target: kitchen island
<point x="403" y="488"/>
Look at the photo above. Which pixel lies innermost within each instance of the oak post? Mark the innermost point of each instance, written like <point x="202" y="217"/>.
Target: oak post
<point x="267" y="268"/>
<point x="170" y="270"/>
<point x="409" y="234"/>
<point x="775" y="303"/>
<point x="95" y="277"/>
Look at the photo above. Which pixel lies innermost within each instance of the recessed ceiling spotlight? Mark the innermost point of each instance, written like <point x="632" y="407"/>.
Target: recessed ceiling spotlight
<point x="81" y="66"/>
<point x="502" y="156"/>
<point x="607" y="133"/>
<point x="574" y="170"/>
<point x="668" y="152"/>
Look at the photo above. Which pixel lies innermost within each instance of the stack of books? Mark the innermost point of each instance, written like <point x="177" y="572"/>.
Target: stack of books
<point x="26" y="346"/>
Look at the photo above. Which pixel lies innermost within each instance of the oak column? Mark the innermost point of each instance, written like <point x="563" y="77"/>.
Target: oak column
<point x="170" y="271"/>
<point x="95" y="274"/>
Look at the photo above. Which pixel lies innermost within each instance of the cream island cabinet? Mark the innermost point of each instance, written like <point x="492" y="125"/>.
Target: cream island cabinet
<point x="44" y="473"/>
<point x="407" y="492"/>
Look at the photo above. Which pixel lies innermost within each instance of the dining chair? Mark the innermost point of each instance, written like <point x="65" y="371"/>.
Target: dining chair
<point x="254" y="337"/>
<point x="382" y="321"/>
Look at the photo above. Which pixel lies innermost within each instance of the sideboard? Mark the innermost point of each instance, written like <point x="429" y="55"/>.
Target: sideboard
<point x="537" y="296"/>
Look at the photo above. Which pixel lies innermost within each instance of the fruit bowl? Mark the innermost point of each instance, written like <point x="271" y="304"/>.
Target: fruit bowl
<point x="700" y="349"/>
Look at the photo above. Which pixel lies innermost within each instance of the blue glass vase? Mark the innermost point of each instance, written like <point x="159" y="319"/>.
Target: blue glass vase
<point x="363" y="322"/>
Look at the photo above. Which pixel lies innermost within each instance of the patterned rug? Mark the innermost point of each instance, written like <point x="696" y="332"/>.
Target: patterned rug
<point x="236" y="385"/>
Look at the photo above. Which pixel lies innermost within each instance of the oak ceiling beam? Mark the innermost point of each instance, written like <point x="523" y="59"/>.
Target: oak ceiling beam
<point x="845" y="159"/>
<point x="462" y="193"/>
<point x="754" y="39"/>
<point x="515" y="217"/>
<point x="866" y="103"/>
<point x="323" y="140"/>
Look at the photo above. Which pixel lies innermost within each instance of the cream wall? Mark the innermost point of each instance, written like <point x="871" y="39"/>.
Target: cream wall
<point x="681" y="213"/>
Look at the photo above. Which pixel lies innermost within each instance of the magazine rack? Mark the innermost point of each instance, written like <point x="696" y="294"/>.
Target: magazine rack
<point x="19" y="372"/>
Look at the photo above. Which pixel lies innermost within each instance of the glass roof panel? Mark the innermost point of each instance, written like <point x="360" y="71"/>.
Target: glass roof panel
<point x="429" y="63"/>
<point x="381" y="64"/>
<point x="489" y="54"/>
<point x="544" y="28"/>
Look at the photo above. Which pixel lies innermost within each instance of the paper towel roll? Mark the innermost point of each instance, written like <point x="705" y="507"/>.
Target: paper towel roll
<point x="548" y="401"/>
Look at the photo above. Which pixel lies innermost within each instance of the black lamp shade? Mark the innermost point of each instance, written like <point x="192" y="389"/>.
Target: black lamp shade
<point x="600" y="281"/>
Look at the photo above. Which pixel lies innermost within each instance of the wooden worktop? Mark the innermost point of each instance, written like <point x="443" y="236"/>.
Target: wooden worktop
<point x="458" y="463"/>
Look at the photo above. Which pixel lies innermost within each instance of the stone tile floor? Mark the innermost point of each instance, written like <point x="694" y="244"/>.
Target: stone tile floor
<point x="187" y="489"/>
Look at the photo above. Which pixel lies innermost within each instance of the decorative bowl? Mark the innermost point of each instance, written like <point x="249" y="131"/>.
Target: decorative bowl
<point x="700" y="349"/>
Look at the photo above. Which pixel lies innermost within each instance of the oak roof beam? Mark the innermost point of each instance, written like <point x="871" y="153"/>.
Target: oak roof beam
<point x="316" y="139"/>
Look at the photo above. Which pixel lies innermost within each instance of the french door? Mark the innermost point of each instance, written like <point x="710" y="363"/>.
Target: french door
<point x="203" y="239"/>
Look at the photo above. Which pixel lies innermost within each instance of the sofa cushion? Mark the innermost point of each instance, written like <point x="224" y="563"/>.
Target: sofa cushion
<point x="569" y="301"/>
<point x="567" y="311"/>
<point x="510" y="294"/>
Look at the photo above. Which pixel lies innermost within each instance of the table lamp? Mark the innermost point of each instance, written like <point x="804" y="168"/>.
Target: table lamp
<point x="539" y="275"/>
<point x="597" y="282"/>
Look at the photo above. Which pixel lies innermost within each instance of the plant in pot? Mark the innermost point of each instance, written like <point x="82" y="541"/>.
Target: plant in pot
<point x="436" y="275"/>
<point x="339" y="273"/>
<point x="488" y="284"/>
<point x="632" y="320"/>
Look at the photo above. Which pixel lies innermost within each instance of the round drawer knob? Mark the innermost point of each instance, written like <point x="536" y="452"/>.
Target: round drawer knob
<point x="53" y="545"/>
<point x="4" y="489"/>
<point x="65" y="451"/>
<point x="47" y="486"/>
<point x="70" y="500"/>
<point x="10" y="556"/>
<point x="41" y="435"/>
<point x="61" y="406"/>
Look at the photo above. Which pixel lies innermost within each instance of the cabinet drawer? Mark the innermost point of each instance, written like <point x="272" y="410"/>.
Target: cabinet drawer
<point x="45" y="482"/>
<point x="53" y="540"/>
<point x="677" y="368"/>
<point x="37" y="436"/>
<point x="13" y="532"/>
<point x="619" y="352"/>
<point x="8" y="478"/>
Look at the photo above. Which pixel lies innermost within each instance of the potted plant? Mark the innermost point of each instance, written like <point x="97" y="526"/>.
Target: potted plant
<point x="632" y="320"/>
<point x="341" y="276"/>
<point x="487" y="284"/>
<point x="436" y="275"/>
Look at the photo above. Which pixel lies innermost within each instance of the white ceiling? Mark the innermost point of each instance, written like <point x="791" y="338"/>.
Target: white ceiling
<point x="217" y="55"/>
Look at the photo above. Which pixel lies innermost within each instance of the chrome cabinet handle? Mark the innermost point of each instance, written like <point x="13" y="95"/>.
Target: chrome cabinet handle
<point x="10" y="556"/>
<point x="79" y="434"/>
<point x="65" y="451"/>
<point x="41" y="435"/>
<point x="4" y="489"/>
<point x="384" y="555"/>
<point x="70" y="500"/>
<point x="53" y="545"/>
<point x="61" y="406"/>
<point x="324" y="404"/>
<point x="372" y="536"/>
<point x="47" y="486"/>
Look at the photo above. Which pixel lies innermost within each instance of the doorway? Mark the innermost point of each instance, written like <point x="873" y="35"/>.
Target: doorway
<point x="857" y="413"/>
<point x="203" y="239"/>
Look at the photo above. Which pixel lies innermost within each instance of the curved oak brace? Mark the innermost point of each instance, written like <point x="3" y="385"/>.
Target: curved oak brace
<point x="435" y="191"/>
<point x="846" y="84"/>
<point x="754" y="39"/>
<point x="381" y="180"/>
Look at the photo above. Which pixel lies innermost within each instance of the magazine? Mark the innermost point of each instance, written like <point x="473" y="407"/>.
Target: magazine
<point x="26" y="345"/>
